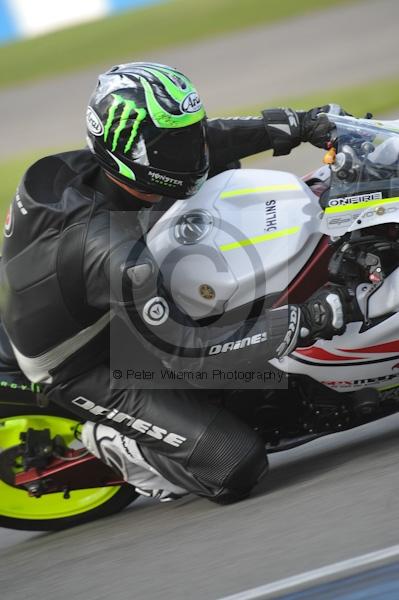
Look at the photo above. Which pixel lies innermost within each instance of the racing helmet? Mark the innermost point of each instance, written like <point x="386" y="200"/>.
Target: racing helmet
<point x="147" y="128"/>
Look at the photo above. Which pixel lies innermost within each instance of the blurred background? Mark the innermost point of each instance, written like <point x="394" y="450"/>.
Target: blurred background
<point x="322" y="503"/>
<point x="242" y="55"/>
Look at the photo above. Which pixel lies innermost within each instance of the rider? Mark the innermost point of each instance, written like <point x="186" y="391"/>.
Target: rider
<point x="148" y="138"/>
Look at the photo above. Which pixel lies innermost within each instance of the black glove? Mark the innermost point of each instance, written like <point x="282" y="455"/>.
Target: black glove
<point x="315" y="127"/>
<point x="323" y="316"/>
<point x="287" y="128"/>
<point x="326" y="314"/>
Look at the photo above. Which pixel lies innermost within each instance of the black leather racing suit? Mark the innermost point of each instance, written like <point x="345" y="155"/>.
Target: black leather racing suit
<point x="57" y="298"/>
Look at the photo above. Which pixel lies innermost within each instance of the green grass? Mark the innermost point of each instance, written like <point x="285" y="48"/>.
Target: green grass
<point x="378" y="97"/>
<point x="131" y="35"/>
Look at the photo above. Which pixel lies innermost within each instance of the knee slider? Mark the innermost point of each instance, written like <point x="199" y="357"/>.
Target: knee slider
<point x="230" y="457"/>
<point x="249" y="470"/>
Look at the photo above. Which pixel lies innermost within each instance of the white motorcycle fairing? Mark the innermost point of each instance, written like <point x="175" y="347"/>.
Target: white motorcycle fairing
<point x="249" y="233"/>
<point x="361" y="357"/>
<point x="353" y="360"/>
<point x="243" y="236"/>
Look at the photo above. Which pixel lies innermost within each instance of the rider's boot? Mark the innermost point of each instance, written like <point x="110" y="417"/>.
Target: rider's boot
<point x="122" y="453"/>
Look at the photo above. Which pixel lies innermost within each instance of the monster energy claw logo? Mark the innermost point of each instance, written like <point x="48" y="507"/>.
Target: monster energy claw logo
<point x="129" y="107"/>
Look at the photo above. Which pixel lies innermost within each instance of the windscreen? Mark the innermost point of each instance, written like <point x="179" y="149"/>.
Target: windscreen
<point x="366" y="165"/>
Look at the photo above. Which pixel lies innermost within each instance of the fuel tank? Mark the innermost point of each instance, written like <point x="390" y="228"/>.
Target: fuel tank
<point x="243" y="236"/>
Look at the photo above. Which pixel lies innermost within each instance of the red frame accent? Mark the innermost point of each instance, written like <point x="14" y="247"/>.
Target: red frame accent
<point x="312" y="276"/>
<point x="85" y="471"/>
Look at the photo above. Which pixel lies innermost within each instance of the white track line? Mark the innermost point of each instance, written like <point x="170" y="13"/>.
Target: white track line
<point x="282" y="585"/>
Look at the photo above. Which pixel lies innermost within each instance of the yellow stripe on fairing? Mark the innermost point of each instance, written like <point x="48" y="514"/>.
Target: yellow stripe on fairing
<point x="361" y="206"/>
<point x="283" y="187"/>
<point x="259" y="239"/>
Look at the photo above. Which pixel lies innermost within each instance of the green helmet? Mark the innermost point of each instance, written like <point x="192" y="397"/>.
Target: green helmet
<point x="147" y="128"/>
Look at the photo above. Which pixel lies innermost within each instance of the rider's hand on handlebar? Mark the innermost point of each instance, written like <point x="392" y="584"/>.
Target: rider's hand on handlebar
<point x="287" y="128"/>
<point x="323" y="316"/>
<point x="315" y="126"/>
<point x="326" y="314"/>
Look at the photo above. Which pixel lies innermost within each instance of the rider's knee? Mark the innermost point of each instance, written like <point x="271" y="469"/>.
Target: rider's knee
<point x="230" y="458"/>
<point x="245" y="476"/>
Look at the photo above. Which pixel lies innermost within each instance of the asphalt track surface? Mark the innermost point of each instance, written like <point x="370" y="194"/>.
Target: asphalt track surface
<point x="331" y="500"/>
<point x="335" y="47"/>
<point x="325" y="502"/>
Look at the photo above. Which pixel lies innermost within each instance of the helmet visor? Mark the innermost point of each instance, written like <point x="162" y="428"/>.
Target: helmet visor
<point x="183" y="150"/>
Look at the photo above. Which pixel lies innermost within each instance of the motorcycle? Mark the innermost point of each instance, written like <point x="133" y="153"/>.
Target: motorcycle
<point x="273" y="238"/>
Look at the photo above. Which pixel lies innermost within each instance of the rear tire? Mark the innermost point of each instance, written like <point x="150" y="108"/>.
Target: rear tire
<point x="15" y="416"/>
<point x="125" y="496"/>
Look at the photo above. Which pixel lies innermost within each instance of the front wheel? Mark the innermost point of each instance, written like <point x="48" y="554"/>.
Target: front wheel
<point x="50" y="512"/>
